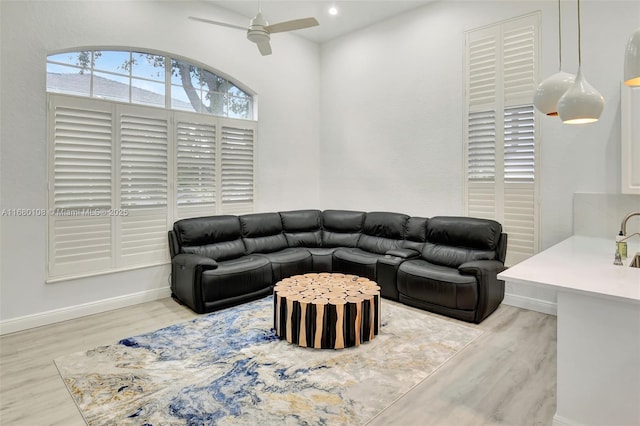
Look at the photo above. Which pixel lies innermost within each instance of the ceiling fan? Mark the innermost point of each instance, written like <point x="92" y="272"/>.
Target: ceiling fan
<point x="259" y="30"/>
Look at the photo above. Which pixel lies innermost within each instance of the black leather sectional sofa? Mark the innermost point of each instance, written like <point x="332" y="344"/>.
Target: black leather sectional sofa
<point x="446" y="265"/>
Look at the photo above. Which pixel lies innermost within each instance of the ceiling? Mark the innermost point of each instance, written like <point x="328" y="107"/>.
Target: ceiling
<point x="352" y="14"/>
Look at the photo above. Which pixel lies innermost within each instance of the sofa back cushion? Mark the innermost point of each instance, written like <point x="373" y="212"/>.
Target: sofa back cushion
<point x="382" y="232"/>
<point x="216" y="237"/>
<point x="302" y="228"/>
<point x="341" y="228"/>
<point x="262" y="232"/>
<point x="415" y="233"/>
<point x="452" y="241"/>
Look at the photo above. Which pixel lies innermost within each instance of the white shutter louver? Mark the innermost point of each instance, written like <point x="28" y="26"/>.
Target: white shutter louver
<point x="481" y="164"/>
<point x="143" y="236"/>
<point x="82" y="182"/>
<point x="519" y="144"/>
<point x="144" y="134"/>
<point x="519" y="63"/>
<point x="143" y="161"/>
<point x="482" y="146"/>
<point x="196" y="169"/>
<point x="237" y="165"/>
<point x="482" y="55"/>
<point x="82" y="158"/>
<point x="501" y="134"/>
<point x="519" y="181"/>
<point x="120" y="175"/>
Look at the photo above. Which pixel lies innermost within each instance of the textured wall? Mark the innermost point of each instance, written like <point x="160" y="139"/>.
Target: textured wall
<point x="287" y="88"/>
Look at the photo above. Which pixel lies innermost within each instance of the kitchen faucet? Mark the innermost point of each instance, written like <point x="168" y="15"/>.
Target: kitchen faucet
<point x="623" y="233"/>
<point x="623" y="226"/>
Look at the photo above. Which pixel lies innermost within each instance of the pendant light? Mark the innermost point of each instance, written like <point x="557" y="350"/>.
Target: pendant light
<point x="547" y="94"/>
<point x="582" y="103"/>
<point x="632" y="60"/>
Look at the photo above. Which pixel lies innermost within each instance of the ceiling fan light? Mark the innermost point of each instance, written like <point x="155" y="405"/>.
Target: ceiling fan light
<point x="581" y="103"/>
<point x="258" y="36"/>
<point x="547" y="94"/>
<point x="632" y="60"/>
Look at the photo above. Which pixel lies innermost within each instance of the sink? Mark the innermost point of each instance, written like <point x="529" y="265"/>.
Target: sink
<point x="635" y="262"/>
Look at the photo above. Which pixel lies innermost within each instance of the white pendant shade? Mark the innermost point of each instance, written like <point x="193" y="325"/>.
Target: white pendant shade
<point x="581" y="103"/>
<point x="548" y="93"/>
<point x="632" y="60"/>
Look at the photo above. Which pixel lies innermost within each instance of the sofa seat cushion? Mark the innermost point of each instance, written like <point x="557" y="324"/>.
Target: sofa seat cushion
<point x="236" y="277"/>
<point x="378" y="245"/>
<point x="322" y="258"/>
<point x="357" y="255"/>
<point x="437" y="284"/>
<point x="288" y="262"/>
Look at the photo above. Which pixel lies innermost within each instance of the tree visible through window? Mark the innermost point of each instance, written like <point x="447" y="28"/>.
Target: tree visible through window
<point x="144" y="78"/>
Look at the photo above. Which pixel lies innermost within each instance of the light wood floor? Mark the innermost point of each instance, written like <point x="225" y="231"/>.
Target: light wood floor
<point x="505" y="377"/>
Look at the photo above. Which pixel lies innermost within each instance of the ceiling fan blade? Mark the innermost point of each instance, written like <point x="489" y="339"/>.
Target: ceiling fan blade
<point x="264" y="47"/>
<point x="296" y="24"/>
<point x="223" y="24"/>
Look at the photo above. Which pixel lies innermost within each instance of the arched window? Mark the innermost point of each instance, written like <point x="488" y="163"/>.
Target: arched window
<point x="137" y="141"/>
<point x="144" y="78"/>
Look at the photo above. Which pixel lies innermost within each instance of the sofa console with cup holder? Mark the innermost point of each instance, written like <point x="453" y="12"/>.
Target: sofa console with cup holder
<point x="444" y="264"/>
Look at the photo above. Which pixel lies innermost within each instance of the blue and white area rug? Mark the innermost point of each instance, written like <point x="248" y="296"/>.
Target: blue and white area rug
<point x="229" y="368"/>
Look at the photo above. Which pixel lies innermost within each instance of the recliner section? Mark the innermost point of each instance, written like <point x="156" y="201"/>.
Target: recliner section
<point x="446" y="265"/>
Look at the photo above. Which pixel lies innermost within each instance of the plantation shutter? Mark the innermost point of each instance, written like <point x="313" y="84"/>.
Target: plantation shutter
<point x="237" y="157"/>
<point x="80" y="176"/>
<point x="144" y="134"/>
<point x="502" y="70"/>
<point x="196" y="167"/>
<point x="520" y="215"/>
<point x="120" y="175"/>
<point x="481" y="167"/>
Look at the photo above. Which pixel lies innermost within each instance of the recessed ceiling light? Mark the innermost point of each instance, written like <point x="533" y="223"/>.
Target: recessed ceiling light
<point x="333" y="10"/>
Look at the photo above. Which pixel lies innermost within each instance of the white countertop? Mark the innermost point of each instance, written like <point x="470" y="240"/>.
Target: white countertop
<point x="581" y="264"/>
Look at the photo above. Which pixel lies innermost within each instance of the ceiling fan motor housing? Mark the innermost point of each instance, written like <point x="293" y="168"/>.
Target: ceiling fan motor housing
<point x="256" y="31"/>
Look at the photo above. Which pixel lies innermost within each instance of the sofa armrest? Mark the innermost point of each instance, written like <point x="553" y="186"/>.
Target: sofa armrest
<point x="403" y="253"/>
<point x="189" y="260"/>
<point x="174" y="245"/>
<point x="387" y="275"/>
<point x="186" y="278"/>
<point x="479" y="267"/>
<point x="490" y="288"/>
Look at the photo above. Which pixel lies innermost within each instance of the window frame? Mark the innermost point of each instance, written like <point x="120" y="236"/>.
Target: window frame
<point x="121" y="226"/>
<point x="168" y="81"/>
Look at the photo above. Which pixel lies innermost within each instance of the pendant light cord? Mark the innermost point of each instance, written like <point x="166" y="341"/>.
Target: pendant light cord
<point x="579" y="39"/>
<point x="559" y="36"/>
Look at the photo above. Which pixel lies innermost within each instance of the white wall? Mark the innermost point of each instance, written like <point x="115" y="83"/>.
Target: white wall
<point x="286" y="83"/>
<point x="370" y="121"/>
<point x="392" y="104"/>
<point x="392" y="114"/>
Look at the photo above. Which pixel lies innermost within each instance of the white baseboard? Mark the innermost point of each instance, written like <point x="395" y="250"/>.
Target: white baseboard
<point x="524" y="302"/>
<point x="77" y="311"/>
<point x="562" y="421"/>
